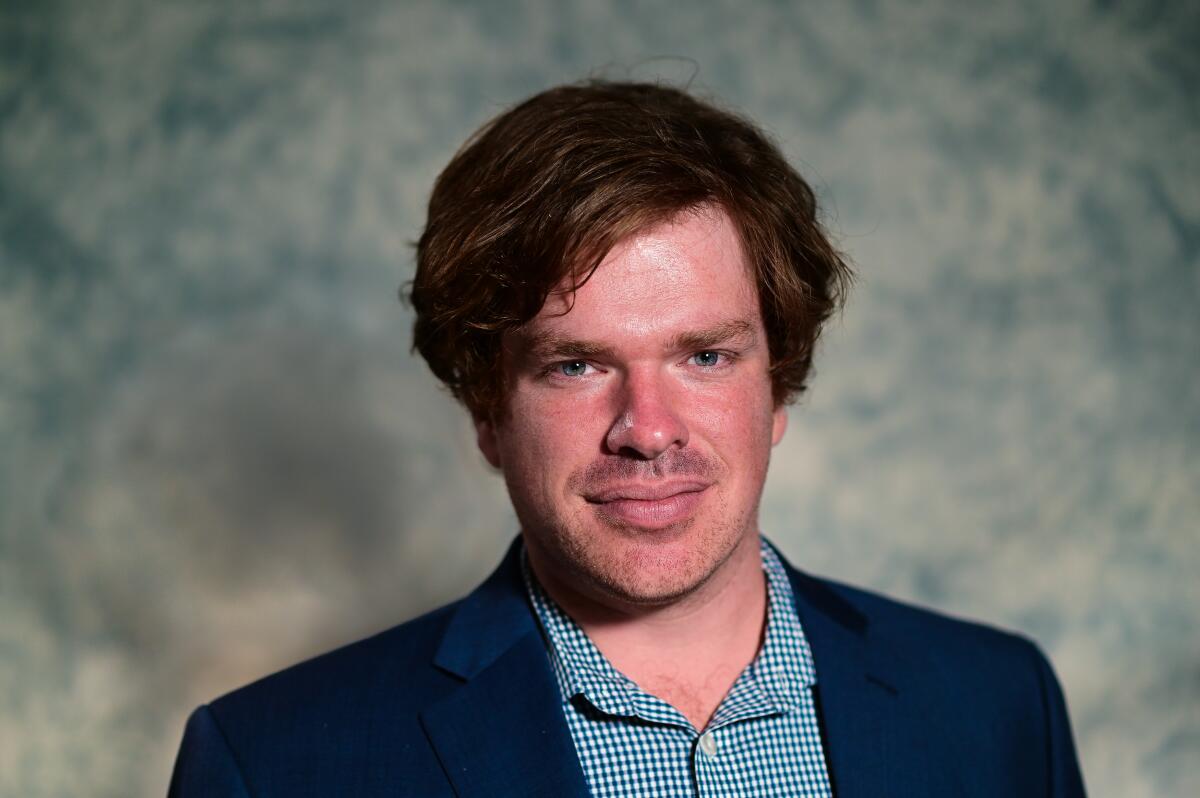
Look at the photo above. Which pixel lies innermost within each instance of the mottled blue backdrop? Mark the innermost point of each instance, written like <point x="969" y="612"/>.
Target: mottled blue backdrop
<point x="217" y="455"/>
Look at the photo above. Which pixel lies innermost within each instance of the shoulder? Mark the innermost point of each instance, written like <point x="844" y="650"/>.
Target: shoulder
<point x="390" y="672"/>
<point x="352" y="721"/>
<point x="327" y="725"/>
<point x="978" y="693"/>
<point x="382" y="682"/>
<point x="930" y="647"/>
<point x="898" y="621"/>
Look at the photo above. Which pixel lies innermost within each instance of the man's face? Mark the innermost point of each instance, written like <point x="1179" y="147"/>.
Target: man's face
<point x="639" y="417"/>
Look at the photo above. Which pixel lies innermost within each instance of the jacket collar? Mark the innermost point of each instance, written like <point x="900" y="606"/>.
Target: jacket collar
<point x="502" y="732"/>
<point x="875" y="719"/>
<point x="489" y="621"/>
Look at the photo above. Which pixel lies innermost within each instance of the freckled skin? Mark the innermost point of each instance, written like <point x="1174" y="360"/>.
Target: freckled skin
<point x="647" y="411"/>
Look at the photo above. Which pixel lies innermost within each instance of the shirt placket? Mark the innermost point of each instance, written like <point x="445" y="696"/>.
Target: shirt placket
<point x="707" y="766"/>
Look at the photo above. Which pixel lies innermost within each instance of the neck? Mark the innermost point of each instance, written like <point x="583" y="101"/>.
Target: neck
<point x="689" y="652"/>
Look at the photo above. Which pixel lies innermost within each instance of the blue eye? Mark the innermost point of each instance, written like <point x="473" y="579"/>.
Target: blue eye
<point x="573" y="368"/>
<point x="707" y="359"/>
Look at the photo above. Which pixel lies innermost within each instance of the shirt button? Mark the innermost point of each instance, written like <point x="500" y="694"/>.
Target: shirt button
<point x="708" y="744"/>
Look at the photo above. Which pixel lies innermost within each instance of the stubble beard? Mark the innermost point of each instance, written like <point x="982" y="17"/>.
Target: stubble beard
<point x="620" y="565"/>
<point x="600" y="558"/>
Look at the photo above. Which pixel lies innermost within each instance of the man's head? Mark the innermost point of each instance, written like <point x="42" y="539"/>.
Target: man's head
<point x="624" y="286"/>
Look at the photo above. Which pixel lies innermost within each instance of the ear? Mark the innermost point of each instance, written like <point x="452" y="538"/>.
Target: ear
<point x="779" y="424"/>
<point x="485" y="439"/>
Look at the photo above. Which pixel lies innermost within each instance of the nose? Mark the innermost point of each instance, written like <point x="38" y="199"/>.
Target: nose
<point x="648" y="421"/>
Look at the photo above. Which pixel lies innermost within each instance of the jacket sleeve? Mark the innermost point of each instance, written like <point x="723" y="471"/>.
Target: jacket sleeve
<point x="205" y="766"/>
<point x="1066" y="781"/>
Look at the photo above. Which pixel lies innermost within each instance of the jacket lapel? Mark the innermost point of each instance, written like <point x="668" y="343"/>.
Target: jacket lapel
<point x="502" y="732"/>
<point x="873" y="718"/>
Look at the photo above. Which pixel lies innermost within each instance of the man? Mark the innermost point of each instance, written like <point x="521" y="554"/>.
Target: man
<point x="624" y="286"/>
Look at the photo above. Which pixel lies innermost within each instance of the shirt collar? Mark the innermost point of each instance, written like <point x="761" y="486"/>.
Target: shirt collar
<point x="774" y="682"/>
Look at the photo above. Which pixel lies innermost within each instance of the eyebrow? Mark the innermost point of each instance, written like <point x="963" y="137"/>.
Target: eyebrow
<point x="714" y="336"/>
<point x="550" y="345"/>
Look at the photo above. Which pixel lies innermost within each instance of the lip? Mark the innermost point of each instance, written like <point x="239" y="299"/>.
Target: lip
<point x="649" y="505"/>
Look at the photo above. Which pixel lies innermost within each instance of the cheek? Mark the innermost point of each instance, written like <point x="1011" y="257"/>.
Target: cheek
<point x="740" y="430"/>
<point x="543" y="442"/>
<point x="563" y="420"/>
<point x="737" y="415"/>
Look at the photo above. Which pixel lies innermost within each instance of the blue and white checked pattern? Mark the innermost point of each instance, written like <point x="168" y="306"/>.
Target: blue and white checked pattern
<point x="763" y="740"/>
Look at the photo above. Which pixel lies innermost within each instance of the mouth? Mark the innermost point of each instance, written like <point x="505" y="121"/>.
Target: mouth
<point x="648" y="506"/>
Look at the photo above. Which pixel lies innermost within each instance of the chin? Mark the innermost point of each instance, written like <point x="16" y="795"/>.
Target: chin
<point x="660" y="593"/>
<point x="656" y="567"/>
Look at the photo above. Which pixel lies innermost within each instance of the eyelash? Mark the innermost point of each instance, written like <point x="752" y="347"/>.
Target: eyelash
<point x="724" y="359"/>
<point x="558" y="367"/>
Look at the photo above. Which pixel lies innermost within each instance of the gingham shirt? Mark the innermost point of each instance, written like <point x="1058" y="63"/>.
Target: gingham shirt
<point x="762" y="741"/>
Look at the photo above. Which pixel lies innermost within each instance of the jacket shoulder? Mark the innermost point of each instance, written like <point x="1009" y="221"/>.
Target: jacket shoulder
<point x="396" y="663"/>
<point x="905" y="625"/>
<point x="944" y="658"/>
<point x="990" y="694"/>
<point x="345" y="722"/>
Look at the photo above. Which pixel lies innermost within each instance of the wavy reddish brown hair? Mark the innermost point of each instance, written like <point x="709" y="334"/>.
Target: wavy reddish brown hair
<point x="537" y="197"/>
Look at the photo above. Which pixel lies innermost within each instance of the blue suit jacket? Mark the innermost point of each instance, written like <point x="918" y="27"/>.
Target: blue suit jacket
<point x="462" y="702"/>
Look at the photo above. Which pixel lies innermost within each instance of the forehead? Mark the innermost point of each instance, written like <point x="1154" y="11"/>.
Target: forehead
<point x="689" y="271"/>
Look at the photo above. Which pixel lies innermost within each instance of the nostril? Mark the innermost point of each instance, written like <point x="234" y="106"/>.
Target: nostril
<point x="645" y="438"/>
<point x="634" y="454"/>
